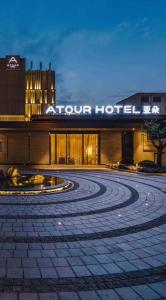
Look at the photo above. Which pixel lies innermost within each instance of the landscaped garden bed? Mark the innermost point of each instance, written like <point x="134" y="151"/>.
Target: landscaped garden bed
<point x="145" y="166"/>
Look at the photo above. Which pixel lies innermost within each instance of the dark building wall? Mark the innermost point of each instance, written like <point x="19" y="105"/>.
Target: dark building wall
<point x="24" y="148"/>
<point x="39" y="148"/>
<point x="12" y="85"/>
<point x="17" y="148"/>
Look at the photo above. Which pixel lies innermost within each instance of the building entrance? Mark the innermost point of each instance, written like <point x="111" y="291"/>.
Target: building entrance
<point x="76" y="149"/>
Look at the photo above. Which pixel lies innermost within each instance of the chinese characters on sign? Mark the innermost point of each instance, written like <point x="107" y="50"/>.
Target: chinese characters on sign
<point x="103" y="109"/>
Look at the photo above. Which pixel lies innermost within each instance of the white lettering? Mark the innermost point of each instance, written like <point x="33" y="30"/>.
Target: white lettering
<point x="87" y="109"/>
<point x="118" y="107"/>
<point x="146" y="109"/>
<point x="109" y="109"/>
<point x="99" y="109"/>
<point x="103" y="109"/>
<point x="60" y="108"/>
<point x="78" y="109"/>
<point x="69" y="109"/>
<point x="155" y="109"/>
<point x="50" y="110"/>
<point x="127" y="109"/>
<point x="134" y="111"/>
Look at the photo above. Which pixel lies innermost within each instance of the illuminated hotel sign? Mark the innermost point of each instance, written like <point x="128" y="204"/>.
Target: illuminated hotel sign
<point x="12" y="63"/>
<point x="102" y="109"/>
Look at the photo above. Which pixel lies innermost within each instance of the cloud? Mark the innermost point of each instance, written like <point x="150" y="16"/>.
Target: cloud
<point x="89" y="63"/>
<point x="123" y="26"/>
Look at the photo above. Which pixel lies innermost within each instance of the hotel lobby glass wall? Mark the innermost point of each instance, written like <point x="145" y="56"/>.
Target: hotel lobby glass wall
<point x="76" y="149"/>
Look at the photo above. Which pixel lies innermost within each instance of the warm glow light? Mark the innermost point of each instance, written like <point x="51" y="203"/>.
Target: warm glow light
<point x="103" y="109"/>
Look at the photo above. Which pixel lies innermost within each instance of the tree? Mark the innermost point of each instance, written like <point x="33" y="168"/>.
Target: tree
<point x="157" y="133"/>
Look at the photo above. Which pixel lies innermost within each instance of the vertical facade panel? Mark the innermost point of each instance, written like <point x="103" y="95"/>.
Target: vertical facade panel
<point x="17" y="148"/>
<point x="39" y="148"/>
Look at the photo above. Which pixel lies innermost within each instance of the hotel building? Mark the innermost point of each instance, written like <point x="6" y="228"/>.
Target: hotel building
<point x="31" y="132"/>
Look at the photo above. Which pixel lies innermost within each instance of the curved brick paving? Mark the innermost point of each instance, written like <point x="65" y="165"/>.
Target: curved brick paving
<point x="103" y="239"/>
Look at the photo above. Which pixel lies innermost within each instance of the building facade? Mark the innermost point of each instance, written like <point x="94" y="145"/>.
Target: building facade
<point x="30" y="136"/>
<point x="24" y="92"/>
<point x="141" y="99"/>
<point x="75" y="141"/>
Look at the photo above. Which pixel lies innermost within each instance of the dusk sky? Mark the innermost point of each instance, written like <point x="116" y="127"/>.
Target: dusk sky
<point x="102" y="50"/>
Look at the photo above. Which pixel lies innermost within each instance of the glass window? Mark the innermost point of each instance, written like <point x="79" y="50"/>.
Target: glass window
<point x="90" y="149"/>
<point x="61" y="148"/>
<point x="157" y="99"/>
<point x="144" y="99"/>
<point x="74" y="149"/>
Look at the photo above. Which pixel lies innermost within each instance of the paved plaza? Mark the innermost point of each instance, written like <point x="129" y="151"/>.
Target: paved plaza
<point x="105" y="238"/>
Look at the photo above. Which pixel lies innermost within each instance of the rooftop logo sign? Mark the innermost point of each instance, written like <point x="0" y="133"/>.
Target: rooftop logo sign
<point x="102" y="109"/>
<point x="12" y="63"/>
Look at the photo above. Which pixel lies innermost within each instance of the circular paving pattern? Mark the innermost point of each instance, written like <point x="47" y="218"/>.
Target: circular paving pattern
<point x="102" y="239"/>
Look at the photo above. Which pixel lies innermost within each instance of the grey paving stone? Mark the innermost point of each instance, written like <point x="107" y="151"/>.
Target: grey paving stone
<point x="35" y="246"/>
<point x="108" y="294"/>
<point x="89" y="251"/>
<point x="22" y="246"/>
<point x="159" y="287"/>
<point x="112" y="268"/>
<point x="162" y="258"/>
<point x="2" y="272"/>
<point x="59" y="262"/>
<point x="48" y="272"/>
<point x="48" y="296"/>
<point x="65" y="272"/>
<point x="9" y="246"/>
<point x="34" y="253"/>
<point x="97" y="270"/>
<point x="2" y="262"/>
<point x="116" y="257"/>
<point x="152" y="261"/>
<point x="75" y="252"/>
<point x="13" y="262"/>
<point x="81" y="271"/>
<point x="14" y="273"/>
<point x="29" y="262"/>
<point x="102" y="249"/>
<point x="146" y="292"/>
<point x="4" y="253"/>
<point x="89" y="260"/>
<point x="140" y="264"/>
<point x="20" y="253"/>
<point x="48" y="246"/>
<point x="8" y="296"/>
<point x="28" y="296"/>
<point x="126" y="266"/>
<point x="128" y="293"/>
<point x="102" y="258"/>
<point x="48" y="253"/>
<point x="68" y="296"/>
<point x="89" y="295"/>
<point x="62" y="253"/>
<point x="44" y="262"/>
<point x="31" y="273"/>
<point x="75" y="261"/>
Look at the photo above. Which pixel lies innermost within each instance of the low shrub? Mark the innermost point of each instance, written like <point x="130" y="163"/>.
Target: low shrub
<point x="147" y="163"/>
